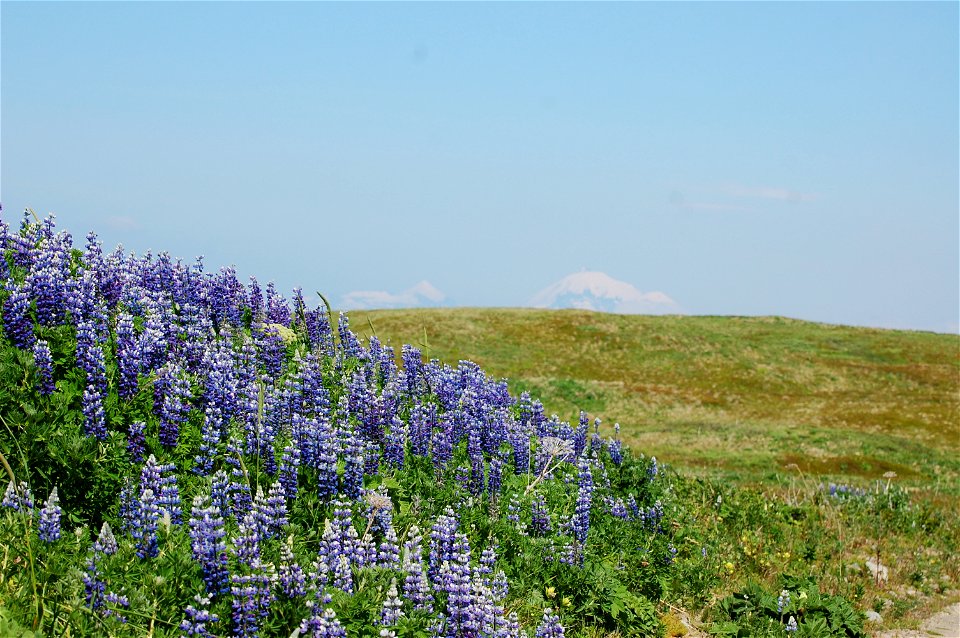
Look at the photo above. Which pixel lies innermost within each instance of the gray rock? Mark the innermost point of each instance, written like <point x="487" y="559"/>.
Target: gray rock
<point x="878" y="570"/>
<point x="874" y="617"/>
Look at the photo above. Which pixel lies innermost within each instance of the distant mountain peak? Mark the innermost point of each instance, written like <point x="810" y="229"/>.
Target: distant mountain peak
<point x="594" y="290"/>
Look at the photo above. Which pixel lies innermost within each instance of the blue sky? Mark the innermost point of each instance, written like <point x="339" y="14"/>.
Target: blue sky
<point x="761" y="158"/>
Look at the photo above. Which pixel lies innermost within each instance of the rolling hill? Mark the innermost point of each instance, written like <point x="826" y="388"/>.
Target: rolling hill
<point x="732" y="396"/>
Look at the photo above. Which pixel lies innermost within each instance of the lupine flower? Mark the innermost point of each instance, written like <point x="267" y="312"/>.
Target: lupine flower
<point x="209" y="439"/>
<point x="442" y="446"/>
<point x="792" y="625"/>
<point x="206" y="540"/>
<point x="144" y="528"/>
<point x="580" y="523"/>
<point x="293" y="582"/>
<point x="113" y="601"/>
<point x="353" y="468"/>
<point x="246" y="543"/>
<point x="16" y="319"/>
<point x="441" y="542"/>
<point x="128" y="359"/>
<point x="136" y="440"/>
<point x="783" y="601"/>
<point x="49" y="527"/>
<point x="196" y="621"/>
<point x="251" y="599"/>
<point x="539" y="517"/>
<point x="106" y="542"/>
<point x="288" y="471"/>
<point x="388" y="552"/>
<point x="416" y="589"/>
<point x="18" y="498"/>
<point x="174" y="404"/>
<point x="44" y="363"/>
<point x="395" y="442"/>
<point x="550" y="627"/>
<point x="454" y="579"/>
<point x="93" y="584"/>
<point x="322" y="623"/>
<point x="392" y="607"/>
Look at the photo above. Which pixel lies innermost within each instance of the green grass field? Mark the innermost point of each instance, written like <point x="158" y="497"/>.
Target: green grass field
<point x="778" y="407"/>
<point x="732" y="396"/>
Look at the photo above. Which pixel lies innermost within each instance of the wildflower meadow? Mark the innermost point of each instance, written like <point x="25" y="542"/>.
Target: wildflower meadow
<point x="191" y="455"/>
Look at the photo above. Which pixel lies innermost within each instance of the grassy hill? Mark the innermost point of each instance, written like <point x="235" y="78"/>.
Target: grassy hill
<point x="735" y="396"/>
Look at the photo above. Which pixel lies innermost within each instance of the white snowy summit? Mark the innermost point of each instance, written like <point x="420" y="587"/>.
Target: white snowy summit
<point x="592" y="290"/>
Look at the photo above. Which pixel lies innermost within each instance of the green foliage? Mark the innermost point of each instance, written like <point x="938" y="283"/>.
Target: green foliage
<point x="753" y="611"/>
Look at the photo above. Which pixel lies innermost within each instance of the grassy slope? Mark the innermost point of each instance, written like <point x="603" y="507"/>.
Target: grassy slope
<point x="738" y="397"/>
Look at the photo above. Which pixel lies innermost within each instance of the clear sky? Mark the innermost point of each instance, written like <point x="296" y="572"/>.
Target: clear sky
<point x="756" y="158"/>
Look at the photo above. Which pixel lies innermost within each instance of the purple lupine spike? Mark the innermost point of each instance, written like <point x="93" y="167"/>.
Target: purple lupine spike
<point x="442" y="445"/>
<point x="16" y="318"/>
<point x="276" y="509"/>
<point x="220" y="387"/>
<point x="144" y="529"/>
<point x="213" y="426"/>
<point x="580" y="523"/>
<point x="395" y="443"/>
<point x="271" y="349"/>
<point x="413" y="369"/>
<point x="319" y="332"/>
<point x="46" y="280"/>
<point x="388" y="552"/>
<point x="18" y="498"/>
<point x="136" y="440"/>
<point x="454" y="580"/>
<point x="93" y="584"/>
<point x="174" y="406"/>
<point x="392" y="606"/>
<point x="49" y="527"/>
<point x="580" y="434"/>
<point x="441" y="542"/>
<point x="241" y="500"/>
<point x="288" y="471"/>
<point x="349" y="344"/>
<point x="206" y="540"/>
<point x="416" y="589"/>
<point x="128" y="356"/>
<point x="168" y="498"/>
<point x="152" y="345"/>
<point x="113" y="602"/>
<point x="251" y="595"/>
<point x="422" y="420"/>
<point x="106" y="542"/>
<point x="540" y="524"/>
<point x="293" y="582"/>
<point x="550" y="626"/>
<point x="352" y="485"/>
<point x="653" y="517"/>
<point x="43" y="361"/>
<point x="220" y="493"/>
<point x="278" y="310"/>
<point x="322" y="623"/>
<point x="255" y="300"/>
<point x="92" y="406"/>
<point x="194" y="625"/>
<point x="246" y="544"/>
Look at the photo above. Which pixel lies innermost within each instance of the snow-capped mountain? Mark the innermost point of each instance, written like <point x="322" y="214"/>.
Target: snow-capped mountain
<point x="592" y="290"/>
